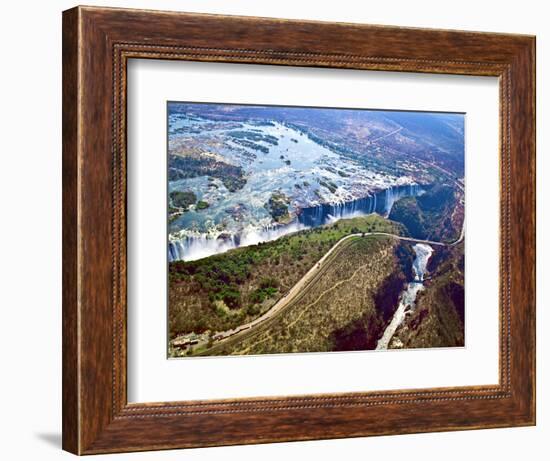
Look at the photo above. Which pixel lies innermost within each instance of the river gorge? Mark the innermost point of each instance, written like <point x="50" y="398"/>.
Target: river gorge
<point x="407" y="299"/>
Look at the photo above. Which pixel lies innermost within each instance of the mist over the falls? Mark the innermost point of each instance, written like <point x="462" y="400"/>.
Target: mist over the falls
<point x="193" y="246"/>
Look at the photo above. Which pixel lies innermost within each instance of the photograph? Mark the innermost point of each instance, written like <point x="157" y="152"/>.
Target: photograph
<point x="313" y="229"/>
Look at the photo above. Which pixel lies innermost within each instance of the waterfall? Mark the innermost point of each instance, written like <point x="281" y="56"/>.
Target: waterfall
<point x="380" y="202"/>
<point x="190" y="247"/>
<point x="392" y="194"/>
<point x="389" y="200"/>
<point x="193" y="247"/>
<point x="423" y="254"/>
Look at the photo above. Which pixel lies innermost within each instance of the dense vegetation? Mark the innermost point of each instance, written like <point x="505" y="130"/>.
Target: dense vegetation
<point x="188" y="166"/>
<point x="251" y="140"/>
<point x="182" y="199"/>
<point x="278" y="207"/>
<point x="254" y="136"/>
<point x="202" y="205"/>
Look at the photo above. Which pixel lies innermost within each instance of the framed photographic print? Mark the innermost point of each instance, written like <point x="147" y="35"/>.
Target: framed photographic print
<point x="323" y="263"/>
<point x="281" y="230"/>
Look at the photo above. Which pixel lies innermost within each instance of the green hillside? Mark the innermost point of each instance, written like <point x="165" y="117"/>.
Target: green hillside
<point x="226" y="290"/>
<point x="337" y="311"/>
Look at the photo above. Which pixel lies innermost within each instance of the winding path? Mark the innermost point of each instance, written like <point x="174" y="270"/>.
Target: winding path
<point x="245" y="329"/>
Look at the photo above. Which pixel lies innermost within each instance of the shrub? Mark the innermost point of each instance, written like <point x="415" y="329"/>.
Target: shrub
<point x="202" y="205"/>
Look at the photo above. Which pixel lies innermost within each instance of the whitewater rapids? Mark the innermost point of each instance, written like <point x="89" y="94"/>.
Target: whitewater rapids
<point x="190" y="246"/>
<point x="408" y="296"/>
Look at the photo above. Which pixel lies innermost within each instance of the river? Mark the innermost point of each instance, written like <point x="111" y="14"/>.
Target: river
<point x="319" y="185"/>
<point x="407" y="299"/>
<point x="201" y="245"/>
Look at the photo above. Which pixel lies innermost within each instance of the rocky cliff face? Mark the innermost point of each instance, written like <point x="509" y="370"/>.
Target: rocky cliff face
<point x="438" y="319"/>
<point x="430" y="216"/>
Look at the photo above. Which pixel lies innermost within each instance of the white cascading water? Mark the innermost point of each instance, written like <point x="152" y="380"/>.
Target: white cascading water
<point x="196" y="246"/>
<point x="193" y="247"/>
<point x="408" y="297"/>
<point x="392" y="195"/>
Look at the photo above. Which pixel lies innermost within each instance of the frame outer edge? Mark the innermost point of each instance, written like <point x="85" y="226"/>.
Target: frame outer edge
<point x="91" y="422"/>
<point x="70" y="255"/>
<point x="528" y="149"/>
<point x="522" y="249"/>
<point x="533" y="55"/>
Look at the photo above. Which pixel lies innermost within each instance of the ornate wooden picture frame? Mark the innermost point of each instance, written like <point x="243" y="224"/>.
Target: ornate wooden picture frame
<point x="97" y="44"/>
